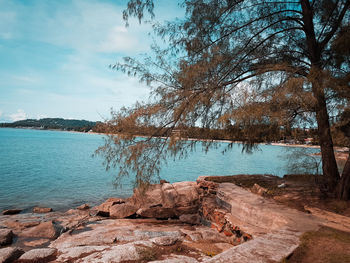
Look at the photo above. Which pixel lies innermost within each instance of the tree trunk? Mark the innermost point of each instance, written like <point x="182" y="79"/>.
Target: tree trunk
<point x="343" y="189"/>
<point x="329" y="165"/>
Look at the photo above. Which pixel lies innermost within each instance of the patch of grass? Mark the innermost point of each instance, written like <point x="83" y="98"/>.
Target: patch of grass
<point x="338" y="206"/>
<point x="300" y="177"/>
<point x="247" y="180"/>
<point x="325" y="245"/>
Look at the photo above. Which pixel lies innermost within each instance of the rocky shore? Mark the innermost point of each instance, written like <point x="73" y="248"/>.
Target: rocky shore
<point x="200" y="221"/>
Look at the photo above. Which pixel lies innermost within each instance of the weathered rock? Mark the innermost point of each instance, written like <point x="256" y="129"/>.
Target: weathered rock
<point x="177" y="259"/>
<point x="147" y="234"/>
<point x="272" y="247"/>
<point x="332" y="220"/>
<point x="187" y="194"/>
<point x="103" y="209"/>
<point x="48" y="229"/>
<point x="193" y="219"/>
<point x="6" y="236"/>
<point x="19" y="226"/>
<point x="11" y="211"/>
<point x="38" y="255"/>
<point x="186" y="210"/>
<point x="208" y="186"/>
<point x="259" y="190"/>
<point x="36" y="243"/>
<point x="120" y="253"/>
<point x="164" y="240"/>
<point x="72" y="253"/>
<point x="168" y="196"/>
<point x="208" y="206"/>
<point x="156" y="212"/>
<point x="122" y="210"/>
<point x="218" y="219"/>
<point x="167" y="200"/>
<point x="42" y="210"/>
<point x="260" y="212"/>
<point x="10" y="254"/>
<point x="150" y="197"/>
<point x="83" y="207"/>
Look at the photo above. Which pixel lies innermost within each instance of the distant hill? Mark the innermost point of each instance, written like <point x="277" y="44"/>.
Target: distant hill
<point x="52" y="123"/>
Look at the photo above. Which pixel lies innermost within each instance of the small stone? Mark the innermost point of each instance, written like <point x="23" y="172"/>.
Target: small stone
<point x="83" y="207"/>
<point x="39" y="255"/>
<point x="11" y="211"/>
<point x="259" y="190"/>
<point x="42" y="210"/>
<point x="10" y="254"/>
<point x="164" y="241"/>
<point x="6" y="236"/>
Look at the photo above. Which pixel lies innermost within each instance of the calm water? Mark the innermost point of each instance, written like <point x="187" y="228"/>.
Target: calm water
<point x="55" y="169"/>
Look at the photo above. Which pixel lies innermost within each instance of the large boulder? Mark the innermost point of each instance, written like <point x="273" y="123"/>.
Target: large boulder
<point x="150" y="197"/>
<point x="48" y="229"/>
<point x="187" y="194"/>
<point x="10" y="254"/>
<point x="6" y="236"/>
<point x="166" y="200"/>
<point x="122" y="210"/>
<point x="103" y="209"/>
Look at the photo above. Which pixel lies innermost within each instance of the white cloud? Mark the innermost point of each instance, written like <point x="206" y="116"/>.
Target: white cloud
<point x="91" y="26"/>
<point x="119" y="39"/>
<point x="19" y="115"/>
<point x="0" y="113"/>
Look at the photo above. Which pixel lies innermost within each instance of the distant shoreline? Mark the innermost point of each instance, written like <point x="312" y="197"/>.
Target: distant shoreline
<point x="340" y="150"/>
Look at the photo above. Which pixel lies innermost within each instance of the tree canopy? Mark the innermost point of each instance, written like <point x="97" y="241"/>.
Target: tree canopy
<point x="243" y="66"/>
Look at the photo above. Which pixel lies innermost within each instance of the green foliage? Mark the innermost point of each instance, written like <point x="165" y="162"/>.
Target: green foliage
<point x="248" y="68"/>
<point x="52" y="123"/>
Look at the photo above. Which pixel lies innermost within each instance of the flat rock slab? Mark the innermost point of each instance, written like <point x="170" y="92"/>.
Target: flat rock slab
<point x="264" y="215"/>
<point x="120" y="253"/>
<point x="38" y="255"/>
<point x="272" y="247"/>
<point x="6" y="236"/>
<point x="9" y="254"/>
<point x="177" y="259"/>
<point x="73" y="253"/>
<point x="333" y="220"/>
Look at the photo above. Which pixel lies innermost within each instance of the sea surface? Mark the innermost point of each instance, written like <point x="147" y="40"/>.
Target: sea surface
<point x="56" y="169"/>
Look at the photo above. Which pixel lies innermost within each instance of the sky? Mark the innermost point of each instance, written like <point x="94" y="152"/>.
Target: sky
<point x="55" y="57"/>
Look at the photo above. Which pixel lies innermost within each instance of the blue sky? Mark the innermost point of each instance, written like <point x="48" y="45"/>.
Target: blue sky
<point x="54" y="57"/>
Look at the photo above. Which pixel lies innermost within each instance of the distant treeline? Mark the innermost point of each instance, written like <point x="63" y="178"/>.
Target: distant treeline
<point x="256" y="134"/>
<point x="53" y="123"/>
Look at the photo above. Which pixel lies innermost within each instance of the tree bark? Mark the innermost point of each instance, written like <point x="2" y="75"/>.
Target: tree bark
<point x="343" y="189"/>
<point x="329" y="165"/>
<point x="330" y="177"/>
